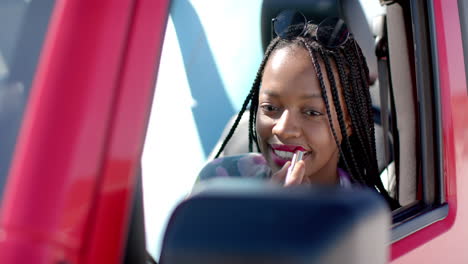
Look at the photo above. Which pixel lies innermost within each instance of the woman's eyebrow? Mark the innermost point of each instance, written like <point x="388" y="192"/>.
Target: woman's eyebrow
<point x="305" y="96"/>
<point x="311" y="96"/>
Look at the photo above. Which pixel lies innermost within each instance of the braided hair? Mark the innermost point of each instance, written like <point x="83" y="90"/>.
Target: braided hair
<point x="357" y="151"/>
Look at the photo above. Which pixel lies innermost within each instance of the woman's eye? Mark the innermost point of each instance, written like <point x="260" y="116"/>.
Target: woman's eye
<point x="269" y="108"/>
<point x="313" y="113"/>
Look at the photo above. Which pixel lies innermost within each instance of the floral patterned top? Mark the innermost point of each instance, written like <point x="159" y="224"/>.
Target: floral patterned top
<point x="251" y="165"/>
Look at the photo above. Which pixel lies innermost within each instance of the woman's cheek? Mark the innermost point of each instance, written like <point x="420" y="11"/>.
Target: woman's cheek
<point x="264" y="128"/>
<point x="318" y="133"/>
<point x="320" y="139"/>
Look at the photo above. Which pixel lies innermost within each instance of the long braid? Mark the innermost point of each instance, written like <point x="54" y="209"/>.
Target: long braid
<point x="369" y="102"/>
<point x="349" y="103"/>
<point x="363" y="131"/>
<point x="252" y="118"/>
<point x="367" y="108"/>
<point x="252" y="94"/>
<point x="356" y="102"/>
<point x="363" y="97"/>
<point x="236" y="122"/>
<point x="318" y="70"/>
<point x="339" y="112"/>
<point x="254" y="100"/>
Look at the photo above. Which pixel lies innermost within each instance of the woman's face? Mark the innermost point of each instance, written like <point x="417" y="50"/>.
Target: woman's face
<point x="292" y="115"/>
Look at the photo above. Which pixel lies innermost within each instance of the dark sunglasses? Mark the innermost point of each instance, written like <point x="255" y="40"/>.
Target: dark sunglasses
<point x="332" y="32"/>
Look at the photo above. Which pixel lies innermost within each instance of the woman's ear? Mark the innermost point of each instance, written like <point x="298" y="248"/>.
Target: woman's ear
<point x="349" y="129"/>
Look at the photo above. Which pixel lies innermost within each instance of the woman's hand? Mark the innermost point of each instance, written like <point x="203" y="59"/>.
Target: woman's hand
<point x="296" y="177"/>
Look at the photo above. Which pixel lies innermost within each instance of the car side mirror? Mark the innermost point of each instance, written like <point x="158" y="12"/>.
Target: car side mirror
<point x="247" y="221"/>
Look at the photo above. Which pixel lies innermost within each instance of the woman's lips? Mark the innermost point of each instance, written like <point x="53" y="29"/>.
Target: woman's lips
<point x="289" y="148"/>
<point x="280" y="154"/>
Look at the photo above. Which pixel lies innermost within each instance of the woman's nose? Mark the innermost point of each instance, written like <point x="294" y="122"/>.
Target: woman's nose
<point x="287" y="126"/>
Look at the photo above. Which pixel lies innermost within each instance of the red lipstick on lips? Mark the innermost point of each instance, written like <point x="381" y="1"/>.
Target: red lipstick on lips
<point x="280" y="161"/>
<point x="289" y="148"/>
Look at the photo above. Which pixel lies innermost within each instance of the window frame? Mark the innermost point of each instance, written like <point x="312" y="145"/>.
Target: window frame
<point x="432" y="206"/>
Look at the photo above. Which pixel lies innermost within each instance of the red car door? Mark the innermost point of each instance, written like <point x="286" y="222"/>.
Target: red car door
<point x="70" y="184"/>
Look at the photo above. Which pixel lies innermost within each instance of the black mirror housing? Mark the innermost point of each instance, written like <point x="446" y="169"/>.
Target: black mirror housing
<point x="247" y="221"/>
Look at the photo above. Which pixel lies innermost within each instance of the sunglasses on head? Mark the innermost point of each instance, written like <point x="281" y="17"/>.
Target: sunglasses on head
<point x="332" y="32"/>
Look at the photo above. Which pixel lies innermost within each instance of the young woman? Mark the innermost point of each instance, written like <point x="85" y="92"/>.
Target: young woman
<point x="311" y="94"/>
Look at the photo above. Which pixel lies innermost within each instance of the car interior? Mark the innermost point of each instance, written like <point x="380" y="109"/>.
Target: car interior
<point x="400" y="52"/>
<point x="397" y="45"/>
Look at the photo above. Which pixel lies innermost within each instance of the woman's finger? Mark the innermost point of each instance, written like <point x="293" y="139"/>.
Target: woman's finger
<point x="297" y="174"/>
<point x="280" y="175"/>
